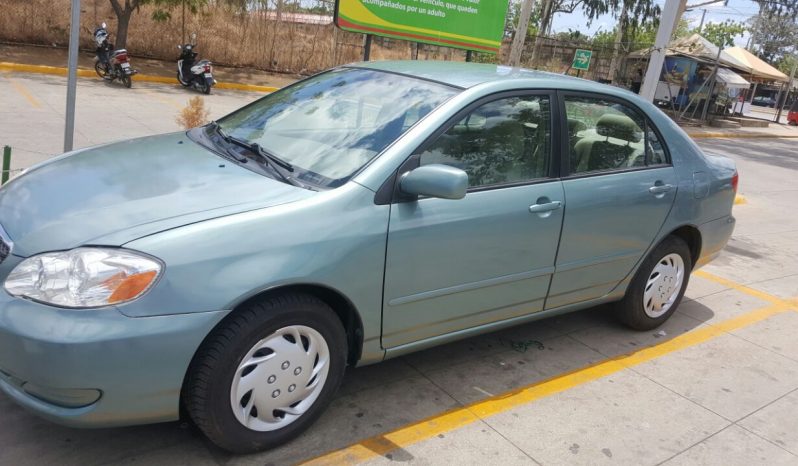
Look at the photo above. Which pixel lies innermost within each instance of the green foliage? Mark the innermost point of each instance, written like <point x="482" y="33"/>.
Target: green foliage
<point x="786" y="64"/>
<point x="723" y="33"/>
<point x="774" y="36"/>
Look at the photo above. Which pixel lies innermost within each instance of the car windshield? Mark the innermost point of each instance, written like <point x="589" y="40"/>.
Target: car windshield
<point x="329" y="126"/>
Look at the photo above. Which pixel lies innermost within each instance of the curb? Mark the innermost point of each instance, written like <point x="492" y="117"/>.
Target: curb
<point x="84" y="73"/>
<point x="740" y="135"/>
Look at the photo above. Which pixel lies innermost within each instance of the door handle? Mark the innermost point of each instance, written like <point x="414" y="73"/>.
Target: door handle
<point x="545" y="207"/>
<point x="660" y="189"/>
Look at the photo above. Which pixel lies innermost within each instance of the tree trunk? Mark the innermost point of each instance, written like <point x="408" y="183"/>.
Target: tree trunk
<point x="123" y="21"/>
<point x="613" y="71"/>
<point x="545" y="23"/>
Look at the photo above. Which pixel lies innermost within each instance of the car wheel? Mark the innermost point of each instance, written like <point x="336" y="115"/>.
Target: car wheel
<point x="657" y="289"/>
<point x="266" y="372"/>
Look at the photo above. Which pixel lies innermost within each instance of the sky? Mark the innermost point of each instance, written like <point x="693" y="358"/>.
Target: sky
<point x="737" y="10"/>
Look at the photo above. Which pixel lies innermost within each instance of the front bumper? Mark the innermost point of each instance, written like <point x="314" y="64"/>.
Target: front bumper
<point x="97" y="368"/>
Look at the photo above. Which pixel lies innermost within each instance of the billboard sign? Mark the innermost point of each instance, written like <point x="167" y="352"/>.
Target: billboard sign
<point x="465" y="24"/>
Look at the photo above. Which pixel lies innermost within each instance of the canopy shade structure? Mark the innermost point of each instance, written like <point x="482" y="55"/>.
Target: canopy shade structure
<point x="731" y="79"/>
<point x="756" y="66"/>
<point x="699" y="48"/>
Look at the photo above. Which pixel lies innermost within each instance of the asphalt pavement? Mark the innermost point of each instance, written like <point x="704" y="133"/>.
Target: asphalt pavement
<point x="717" y="384"/>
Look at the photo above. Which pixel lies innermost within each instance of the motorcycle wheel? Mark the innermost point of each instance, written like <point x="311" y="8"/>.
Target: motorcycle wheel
<point x="206" y="88"/>
<point x="101" y="70"/>
<point x="182" y="83"/>
<point x="127" y="81"/>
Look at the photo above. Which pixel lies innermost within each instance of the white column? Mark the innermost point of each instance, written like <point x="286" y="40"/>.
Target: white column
<point x="667" y="24"/>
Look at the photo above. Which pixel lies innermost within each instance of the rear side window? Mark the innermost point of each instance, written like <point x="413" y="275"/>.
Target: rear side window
<point x="605" y="135"/>
<point x="505" y="141"/>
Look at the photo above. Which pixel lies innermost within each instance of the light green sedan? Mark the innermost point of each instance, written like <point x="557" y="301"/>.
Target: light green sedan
<point x="373" y="210"/>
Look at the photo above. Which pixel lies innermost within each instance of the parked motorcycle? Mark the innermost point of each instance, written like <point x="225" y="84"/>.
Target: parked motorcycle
<point x="192" y="73"/>
<point x="111" y="64"/>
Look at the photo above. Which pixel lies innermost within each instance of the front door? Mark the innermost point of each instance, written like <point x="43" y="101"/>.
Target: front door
<point x="457" y="264"/>
<point x="620" y="189"/>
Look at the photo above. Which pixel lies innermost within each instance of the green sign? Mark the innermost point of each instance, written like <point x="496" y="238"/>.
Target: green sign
<point x="582" y="59"/>
<point x="465" y="24"/>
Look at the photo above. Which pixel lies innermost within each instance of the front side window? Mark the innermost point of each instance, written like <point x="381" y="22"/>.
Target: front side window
<point x="503" y="141"/>
<point x="329" y="126"/>
<point x="607" y="135"/>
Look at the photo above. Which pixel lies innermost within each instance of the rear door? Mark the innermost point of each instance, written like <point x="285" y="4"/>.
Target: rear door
<point x="457" y="264"/>
<point x="620" y="187"/>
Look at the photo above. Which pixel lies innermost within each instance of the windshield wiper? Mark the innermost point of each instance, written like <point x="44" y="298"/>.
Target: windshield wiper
<point x="218" y="129"/>
<point x="278" y="165"/>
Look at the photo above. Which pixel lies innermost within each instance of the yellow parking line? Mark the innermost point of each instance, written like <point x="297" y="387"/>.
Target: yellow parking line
<point x="460" y="417"/>
<point x="744" y="289"/>
<point x="33" y="101"/>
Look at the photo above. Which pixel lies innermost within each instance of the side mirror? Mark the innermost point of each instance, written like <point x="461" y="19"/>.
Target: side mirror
<point x="441" y="181"/>
<point x="103" y="25"/>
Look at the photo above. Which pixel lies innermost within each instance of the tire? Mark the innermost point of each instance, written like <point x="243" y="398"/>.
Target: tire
<point x="660" y="272"/>
<point x="100" y="69"/>
<point x="127" y="81"/>
<point x="206" y="89"/>
<point x="217" y="378"/>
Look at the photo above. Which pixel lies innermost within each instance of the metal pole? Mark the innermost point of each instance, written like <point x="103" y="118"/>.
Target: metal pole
<point x="367" y="48"/>
<point x="6" y="164"/>
<point x="711" y="87"/>
<point x="786" y="94"/>
<point x="701" y="24"/>
<point x="183" y="28"/>
<point x="72" y="78"/>
<point x="670" y="17"/>
<point x="520" y="34"/>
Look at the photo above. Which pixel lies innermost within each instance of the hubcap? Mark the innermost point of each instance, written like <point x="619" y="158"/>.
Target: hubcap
<point x="280" y="378"/>
<point x="663" y="285"/>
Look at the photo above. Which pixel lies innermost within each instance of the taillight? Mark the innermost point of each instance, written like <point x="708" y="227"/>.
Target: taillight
<point x="735" y="181"/>
<point x="207" y="68"/>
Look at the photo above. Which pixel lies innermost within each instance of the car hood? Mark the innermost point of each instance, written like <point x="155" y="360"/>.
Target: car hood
<point x="116" y="193"/>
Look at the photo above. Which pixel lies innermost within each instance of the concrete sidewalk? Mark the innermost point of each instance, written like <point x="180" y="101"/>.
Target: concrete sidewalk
<point x="772" y="131"/>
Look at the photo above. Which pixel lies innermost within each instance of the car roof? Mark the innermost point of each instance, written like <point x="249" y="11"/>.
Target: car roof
<point x="465" y="75"/>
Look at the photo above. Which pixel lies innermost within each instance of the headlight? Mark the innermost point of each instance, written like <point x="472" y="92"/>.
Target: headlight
<point x="84" y="277"/>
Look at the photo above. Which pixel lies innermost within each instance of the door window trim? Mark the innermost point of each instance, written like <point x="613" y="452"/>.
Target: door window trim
<point x="565" y="155"/>
<point x="389" y="191"/>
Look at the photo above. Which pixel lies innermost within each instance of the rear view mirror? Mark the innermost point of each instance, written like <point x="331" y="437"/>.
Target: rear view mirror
<point x="441" y="181"/>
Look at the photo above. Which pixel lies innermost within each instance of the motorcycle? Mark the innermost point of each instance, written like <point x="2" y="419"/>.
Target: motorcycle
<point x="190" y="73"/>
<point x="111" y="64"/>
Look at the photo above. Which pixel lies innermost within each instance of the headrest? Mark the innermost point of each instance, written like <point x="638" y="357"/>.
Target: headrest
<point x="575" y="126"/>
<point x="618" y="127"/>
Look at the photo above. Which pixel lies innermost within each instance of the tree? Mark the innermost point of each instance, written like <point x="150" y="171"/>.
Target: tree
<point x="592" y="9"/>
<point x="723" y="33"/>
<point x="633" y="14"/>
<point x="123" y="12"/>
<point x="773" y="36"/>
<point x="774" y="31"/>
<point x="123" y="9"/>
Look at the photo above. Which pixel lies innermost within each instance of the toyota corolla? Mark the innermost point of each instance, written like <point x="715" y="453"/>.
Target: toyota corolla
<point x="233" y="271"/>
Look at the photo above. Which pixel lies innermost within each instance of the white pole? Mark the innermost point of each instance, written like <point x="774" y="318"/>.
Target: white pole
<point x="72" y="78"/>
<point x="670" y="18"/>
<point x="520" y="33"/>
